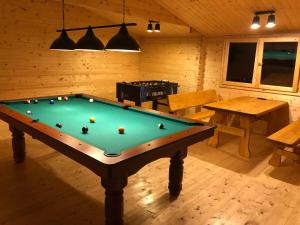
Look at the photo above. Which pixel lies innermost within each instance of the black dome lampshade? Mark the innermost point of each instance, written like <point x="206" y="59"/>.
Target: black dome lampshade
<point x="89" y="42"/>
<point x="123" y="42"/>
<point x="63" y="43"/>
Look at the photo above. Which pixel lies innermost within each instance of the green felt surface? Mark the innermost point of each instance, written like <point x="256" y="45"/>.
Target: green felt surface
<point x="140" y="126"/>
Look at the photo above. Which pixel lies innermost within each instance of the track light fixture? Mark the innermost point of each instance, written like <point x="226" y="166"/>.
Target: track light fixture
<point x="255" y="23"/>
<point x="122" y="41"/>
<point x="270" y="22"/>
<point x="150" y="26"/>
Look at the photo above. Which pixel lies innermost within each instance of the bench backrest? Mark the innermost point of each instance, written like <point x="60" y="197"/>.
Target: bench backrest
<point x="182" y="101"/>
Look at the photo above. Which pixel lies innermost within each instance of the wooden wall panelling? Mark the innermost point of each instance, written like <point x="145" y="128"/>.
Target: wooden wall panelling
<point x="173" y="59"/>
<point x="29" y="68"/>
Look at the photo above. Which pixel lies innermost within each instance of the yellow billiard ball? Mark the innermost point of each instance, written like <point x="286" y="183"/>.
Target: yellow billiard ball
<point x="92" y="119"/>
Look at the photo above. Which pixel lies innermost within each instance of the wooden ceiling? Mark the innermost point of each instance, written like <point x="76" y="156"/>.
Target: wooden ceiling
<point x="208" y="17"/>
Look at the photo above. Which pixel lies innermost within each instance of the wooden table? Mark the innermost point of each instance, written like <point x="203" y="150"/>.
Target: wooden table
<point x="247" y="110"/>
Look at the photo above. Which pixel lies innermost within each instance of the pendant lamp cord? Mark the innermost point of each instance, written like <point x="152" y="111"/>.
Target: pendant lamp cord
<point x="63" y="13"/>
<point x="123" y="11"/>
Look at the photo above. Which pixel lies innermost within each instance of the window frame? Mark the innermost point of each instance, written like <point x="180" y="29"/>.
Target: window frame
<point x="294" y="87"/>
<point x="256" y="78"/>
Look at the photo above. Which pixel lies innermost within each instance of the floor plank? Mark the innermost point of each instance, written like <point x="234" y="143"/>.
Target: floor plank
<point x="218" y="188"/>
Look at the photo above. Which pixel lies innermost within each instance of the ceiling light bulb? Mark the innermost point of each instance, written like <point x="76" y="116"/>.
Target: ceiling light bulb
<point x="255" y="23"/>
<point x="271" y="21"/>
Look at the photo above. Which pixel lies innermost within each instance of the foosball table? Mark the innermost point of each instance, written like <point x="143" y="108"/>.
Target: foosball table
<point x="144" y="91"/>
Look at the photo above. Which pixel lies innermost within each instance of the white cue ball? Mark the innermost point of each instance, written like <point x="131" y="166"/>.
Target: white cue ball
<point x="91" y="100"/>
<point x="59" y="98"/>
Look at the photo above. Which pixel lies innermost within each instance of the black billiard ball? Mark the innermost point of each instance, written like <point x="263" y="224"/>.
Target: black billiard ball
<point x="161" y="126"/>
<point x="35" y="120"/>
<point x="35" y="101"/>
<point x="51" y="101"/>
<point x="59" y="125"/>
<point x="85" y="130"/>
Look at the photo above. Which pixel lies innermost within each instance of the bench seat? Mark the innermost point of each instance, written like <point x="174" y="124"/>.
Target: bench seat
<point x="287" y="142"/>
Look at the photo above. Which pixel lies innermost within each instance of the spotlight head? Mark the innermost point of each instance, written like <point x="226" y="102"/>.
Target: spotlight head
<point x="150" y="28"/>
<point x="157" y="27"/>
<point x="255" y="23"/>
<point x="271" y="21"/>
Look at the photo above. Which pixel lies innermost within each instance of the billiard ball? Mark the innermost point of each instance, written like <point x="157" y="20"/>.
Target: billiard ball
<point x="121" y="130"/>
<point x="59" y="98"/>
<point x="59" y="125"/>
<point x="35" y="101"/>
<point x="91" y="100"/>
<point x="92" y="119"/>
<point x="66" y="98"/>
<point x="85" y="130"/>
<point x="51" y="101"/>
<point x="27" y="101"/>
<point x="161" y="126"/>
<point x="28" y="112"/>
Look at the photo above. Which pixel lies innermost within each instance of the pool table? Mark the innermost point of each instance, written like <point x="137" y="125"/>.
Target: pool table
<point x="106" y="152"/>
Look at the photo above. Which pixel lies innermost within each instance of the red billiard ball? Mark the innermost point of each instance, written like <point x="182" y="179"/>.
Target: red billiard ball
<point x="66" y="98"/>
<point x="27" y="101"/>
<point x="121" y="130"/>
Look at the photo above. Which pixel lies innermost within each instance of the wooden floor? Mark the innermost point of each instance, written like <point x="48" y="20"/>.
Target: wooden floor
<point x="219" y="188"/>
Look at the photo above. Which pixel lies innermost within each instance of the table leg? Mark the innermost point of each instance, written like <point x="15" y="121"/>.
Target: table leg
<point x="120" y="100"/>
<point x="114" y="203"/>
<point x="176" y="173"/>
<point x="18" y="144"/>
<point x="217" y="119"/>
<point x="154" y="104"/>
<point x="138" y="103"/>
<point x="244" y="140"/>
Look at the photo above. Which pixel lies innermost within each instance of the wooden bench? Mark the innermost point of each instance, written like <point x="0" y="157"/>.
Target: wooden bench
<point x="287" y="142"/>
<point x="181" y="102"/>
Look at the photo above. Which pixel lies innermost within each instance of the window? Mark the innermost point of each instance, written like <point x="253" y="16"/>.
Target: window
<point x="266" y="63"/>
<point x="241" y="62"/>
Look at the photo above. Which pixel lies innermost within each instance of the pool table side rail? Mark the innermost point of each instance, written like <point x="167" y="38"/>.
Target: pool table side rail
<point x="88" y="155"/>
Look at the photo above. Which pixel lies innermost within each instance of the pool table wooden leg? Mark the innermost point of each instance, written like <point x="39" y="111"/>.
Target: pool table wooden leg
<point x="114" y="203"/>
<point x="176" y="173"/>
<point x="18" y="144"/>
